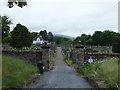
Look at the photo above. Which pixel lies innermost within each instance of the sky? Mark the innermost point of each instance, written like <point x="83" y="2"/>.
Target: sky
<point x="67" y="17"/>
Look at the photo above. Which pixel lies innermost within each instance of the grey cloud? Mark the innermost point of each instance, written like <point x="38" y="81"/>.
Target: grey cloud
<point x="69" y="18"/>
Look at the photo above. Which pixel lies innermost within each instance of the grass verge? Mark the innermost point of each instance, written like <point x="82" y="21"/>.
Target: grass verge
<point x="70" y="63"/>
<point x="0" y="71"/>
<point x="106" y="70"/>
<point x="15" y="71"/>
<point x="51" y="60"/>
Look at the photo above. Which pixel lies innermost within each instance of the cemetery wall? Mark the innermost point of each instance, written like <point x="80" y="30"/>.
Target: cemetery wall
<point x="33" y="56"/>
<point x="100" y="56"/>
<point x="28" y="55"/>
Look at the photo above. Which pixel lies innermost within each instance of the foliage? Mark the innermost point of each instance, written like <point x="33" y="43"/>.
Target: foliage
<point x="16" y="2"/>
<point x="6" y="22"/>
<point x="20" y="37"/>
<point x="51" y="60"/>
<point x="116" y="47"/>
<point x="7" y="39"/>
<point x="33" y="34"/>
<point x="0" y="71"/>
<point x="70" y="63"/>
<point x="50" y="35"/>
<point x="97" y="38"/>
<point x="106" y="70"/>
<point x="31" y="48"/>
<point x="44" y="34"/>
<point x="15" y="71"/>
<point x="105" y="38"/>
<point x="47" y="36"/>
<point x="62" y="40"/>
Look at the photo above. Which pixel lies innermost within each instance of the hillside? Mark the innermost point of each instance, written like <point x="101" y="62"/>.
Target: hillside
<point x="61" y="35"/>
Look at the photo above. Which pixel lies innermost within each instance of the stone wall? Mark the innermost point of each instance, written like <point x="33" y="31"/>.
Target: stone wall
<point x="46" y="58"/>
<point x="79" y="54"/>
<point x="30" y="56"/>
<point x="100" y="56"/>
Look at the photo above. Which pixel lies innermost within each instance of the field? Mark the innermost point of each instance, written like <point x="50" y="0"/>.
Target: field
<point x="106" y="70"/>
<point x="15" y="71"/>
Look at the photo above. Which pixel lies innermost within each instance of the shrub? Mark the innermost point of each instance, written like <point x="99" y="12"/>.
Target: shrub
<point x="116" y="47"/>
<point x="106" y="70"/>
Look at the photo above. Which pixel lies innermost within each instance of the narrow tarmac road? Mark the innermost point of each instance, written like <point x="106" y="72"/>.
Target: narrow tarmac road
<point x="62" y="76"/>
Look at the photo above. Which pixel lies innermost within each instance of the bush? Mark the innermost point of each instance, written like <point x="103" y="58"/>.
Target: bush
<point x="106" y="70"/>
<point x="15" y="71"/>
<point x="116" y="47"/>
<point x="70" y="63"/>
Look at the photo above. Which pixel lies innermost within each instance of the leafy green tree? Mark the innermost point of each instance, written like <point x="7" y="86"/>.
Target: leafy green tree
<point x="33" y="34"/>
<point x="109" y="37"/>
<point x="97" y="38"/>
<point x="7" y="39"/>
<point x="62" y="40"/>
<point x="19" y="3"/>
<point x="77" y="40"/>
<point x="6" y="22"/>
<point x="20" y="37"/>
<point x="84" y="40"/>
<point x="106" y="38"/>
<point x="44" y="35"/>
<point x="50" y="36"/>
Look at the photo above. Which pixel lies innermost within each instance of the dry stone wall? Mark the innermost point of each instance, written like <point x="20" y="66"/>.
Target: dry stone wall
<point x="29" y="56"/>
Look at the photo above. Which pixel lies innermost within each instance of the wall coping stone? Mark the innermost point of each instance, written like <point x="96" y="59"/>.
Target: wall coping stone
<point x="21" y="51"/>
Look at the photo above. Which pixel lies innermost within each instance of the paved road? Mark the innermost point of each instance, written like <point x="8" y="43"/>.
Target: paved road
<point x="62" y="76"/>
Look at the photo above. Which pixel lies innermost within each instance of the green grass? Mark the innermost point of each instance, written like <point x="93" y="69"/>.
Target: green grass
<point x="106" y="70"/>
<point x="51" y="60"/>
<point x="52" y="57"/>
<point x="15" y="71"/>
<point x="69" y="62"/>
<point x="0" y="71"/>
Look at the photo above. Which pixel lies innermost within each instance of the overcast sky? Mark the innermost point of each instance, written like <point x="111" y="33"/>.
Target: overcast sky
<point x="68" y="17"/>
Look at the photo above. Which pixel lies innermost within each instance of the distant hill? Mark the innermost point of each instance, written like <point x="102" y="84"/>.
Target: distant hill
<point x="61" y="35"/>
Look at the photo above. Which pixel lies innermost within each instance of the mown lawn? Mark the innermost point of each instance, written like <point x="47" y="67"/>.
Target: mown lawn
<point x="106" y="70"/>
<point x="15" y="71"/>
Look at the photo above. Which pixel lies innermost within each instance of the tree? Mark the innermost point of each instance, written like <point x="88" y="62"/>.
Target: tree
<point x="50" y="35"/>
<point x="19" y="3"/>
<point x="97" y="38"/>
<point x="20" y="37"/>
<point x="33" y="34"/>
<point x="6" y="22"/>
<point x="109" y="37"/>
<point x="77" y="40"/>
<point x="62" y="40"/>
<point x="83" y="39"/>
<point x="44" y="35"/>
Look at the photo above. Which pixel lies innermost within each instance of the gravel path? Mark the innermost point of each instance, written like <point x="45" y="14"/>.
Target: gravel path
<point x="62" y="76"/>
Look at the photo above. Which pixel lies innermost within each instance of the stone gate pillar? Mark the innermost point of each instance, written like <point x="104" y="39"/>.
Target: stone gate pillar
<point x="79" y="54"/>
<point x="46" y="56"/>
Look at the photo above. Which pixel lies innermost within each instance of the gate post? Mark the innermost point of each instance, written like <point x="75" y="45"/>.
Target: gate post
<point x="46" y="56"/>
<point x="79" y="50"/>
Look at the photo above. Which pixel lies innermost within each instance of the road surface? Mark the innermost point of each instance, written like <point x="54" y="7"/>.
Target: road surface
<point x="62" y="76"/>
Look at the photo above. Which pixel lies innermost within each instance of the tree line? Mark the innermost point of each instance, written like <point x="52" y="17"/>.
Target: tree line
<point x="20" y="36"/>
<point x="105" y="38"/>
